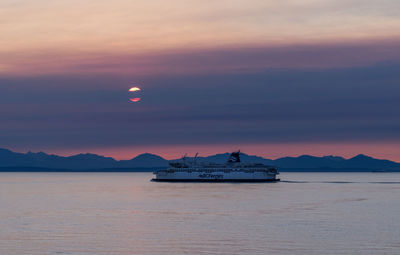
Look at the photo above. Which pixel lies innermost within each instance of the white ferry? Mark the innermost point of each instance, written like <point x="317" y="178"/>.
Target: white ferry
<point x="232" y="171"/>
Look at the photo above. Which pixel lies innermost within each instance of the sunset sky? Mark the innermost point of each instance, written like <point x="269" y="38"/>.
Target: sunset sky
<point x="273" y="78"/>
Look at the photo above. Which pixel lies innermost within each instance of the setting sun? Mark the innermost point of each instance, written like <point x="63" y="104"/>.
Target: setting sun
<point x="134" y="89"/>
<point x="136" y="99"/>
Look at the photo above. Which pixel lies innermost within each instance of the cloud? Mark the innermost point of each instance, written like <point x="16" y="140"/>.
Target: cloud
<point x="204" y="61"/>
<point x="126" y="26"/>
<point x="276" y="106"/>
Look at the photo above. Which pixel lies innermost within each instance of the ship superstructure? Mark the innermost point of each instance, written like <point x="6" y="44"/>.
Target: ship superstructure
<point x="232" y="171"/>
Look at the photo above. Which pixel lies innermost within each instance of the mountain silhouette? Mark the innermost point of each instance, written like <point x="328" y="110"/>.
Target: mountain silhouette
<point x="40" y="161"/>
<point x="144" y="160"/>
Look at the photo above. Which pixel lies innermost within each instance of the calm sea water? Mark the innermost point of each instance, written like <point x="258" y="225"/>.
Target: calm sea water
<point x="124" y="213"/>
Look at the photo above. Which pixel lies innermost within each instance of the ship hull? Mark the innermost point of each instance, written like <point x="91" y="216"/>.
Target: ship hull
<point x="215" y="176"/>
<point x="214" y="180"/>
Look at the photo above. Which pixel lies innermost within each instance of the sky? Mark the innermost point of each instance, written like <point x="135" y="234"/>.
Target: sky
<point x="272" y="78"/>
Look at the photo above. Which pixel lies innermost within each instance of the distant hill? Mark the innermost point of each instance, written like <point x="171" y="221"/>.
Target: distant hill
<point x="359" y="162"/>
<point x="221" y="158"/>
<point x="144" y="160"/>
<point x="40" y="161"/>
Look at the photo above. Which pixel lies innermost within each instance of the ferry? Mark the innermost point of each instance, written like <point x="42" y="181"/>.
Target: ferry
<point x="232" y="171"/>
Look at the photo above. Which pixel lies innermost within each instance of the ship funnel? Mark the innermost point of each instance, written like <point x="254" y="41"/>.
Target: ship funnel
<point x="234" y="157"/>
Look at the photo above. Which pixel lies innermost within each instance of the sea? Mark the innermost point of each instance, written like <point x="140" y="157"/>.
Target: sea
<point x="126" y="213"/>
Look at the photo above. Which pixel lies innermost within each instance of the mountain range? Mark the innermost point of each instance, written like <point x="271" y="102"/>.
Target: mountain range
<point x="40" y="161"/>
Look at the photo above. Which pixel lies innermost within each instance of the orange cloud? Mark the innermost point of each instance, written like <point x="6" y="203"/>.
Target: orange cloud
<point x="124" y="36"/>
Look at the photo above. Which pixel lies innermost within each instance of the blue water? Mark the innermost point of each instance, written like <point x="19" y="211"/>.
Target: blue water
<point x="124" y="213"/>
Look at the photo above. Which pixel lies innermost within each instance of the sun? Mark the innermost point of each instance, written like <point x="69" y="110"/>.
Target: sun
<point x="136" y="99"/>
<point x="134" y="90"/>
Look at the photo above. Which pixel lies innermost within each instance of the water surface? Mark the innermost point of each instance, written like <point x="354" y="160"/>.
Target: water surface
<point x="124" y="213"/>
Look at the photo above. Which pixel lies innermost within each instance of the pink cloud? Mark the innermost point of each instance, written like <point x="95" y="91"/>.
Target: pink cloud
<point x="245" y="58"/>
